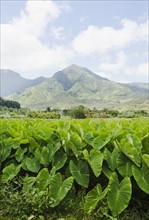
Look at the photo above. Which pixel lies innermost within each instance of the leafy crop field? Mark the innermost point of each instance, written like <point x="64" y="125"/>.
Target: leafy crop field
<point x="87" y="169"/>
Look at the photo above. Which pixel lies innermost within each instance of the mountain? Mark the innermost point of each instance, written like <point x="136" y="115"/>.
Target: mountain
<point x="12" y="82"/>
<point x="76" y="85"/>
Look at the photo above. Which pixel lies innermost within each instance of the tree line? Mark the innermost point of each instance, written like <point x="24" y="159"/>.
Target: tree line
<point x="9" y="103"/>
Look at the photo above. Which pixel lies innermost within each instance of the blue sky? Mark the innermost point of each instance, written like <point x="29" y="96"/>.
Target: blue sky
<point x="40" y="37"/>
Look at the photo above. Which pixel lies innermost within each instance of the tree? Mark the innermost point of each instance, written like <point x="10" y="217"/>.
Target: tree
<point x="77" y="112"/>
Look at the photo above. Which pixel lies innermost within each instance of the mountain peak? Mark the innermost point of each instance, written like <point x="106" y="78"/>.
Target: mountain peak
<point x="74" y="72"/>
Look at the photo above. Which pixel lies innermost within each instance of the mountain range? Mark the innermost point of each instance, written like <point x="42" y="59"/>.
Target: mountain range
<point x="12" y="82"/>
<point x="71" y="86"/>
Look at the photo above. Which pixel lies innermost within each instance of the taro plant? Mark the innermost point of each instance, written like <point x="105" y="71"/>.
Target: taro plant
<point x="106" y="160"/>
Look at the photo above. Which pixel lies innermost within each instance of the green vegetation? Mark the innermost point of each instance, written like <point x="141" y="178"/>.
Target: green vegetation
<point x="74" y="86"/>
<point x="77" y="112"/>
<point x="9" y="103"/>
<point x="74" y="169"/>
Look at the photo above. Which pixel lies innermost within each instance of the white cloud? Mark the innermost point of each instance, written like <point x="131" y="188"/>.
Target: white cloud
<point x="143" y="69"/>
<point x="100" y="40"/>
<point x="58" y="33"/>
<point x="36" y="16"/>
<point x="118" y="65"/>
<point x="122" y="70"/>
<point x="22" y="49"/>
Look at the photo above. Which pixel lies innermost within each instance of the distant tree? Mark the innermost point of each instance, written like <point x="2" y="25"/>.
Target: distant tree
<point x="48" y="109"/>
<point x="78" y="112"/>
<point x="9" y="103"/>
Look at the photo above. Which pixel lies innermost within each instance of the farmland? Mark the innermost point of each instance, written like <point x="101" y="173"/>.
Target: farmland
<point x="74" y="169"/>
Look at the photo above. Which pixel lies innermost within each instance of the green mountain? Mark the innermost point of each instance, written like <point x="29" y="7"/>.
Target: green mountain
<point x="76" y="85"/>
<point x="12" y="82"/>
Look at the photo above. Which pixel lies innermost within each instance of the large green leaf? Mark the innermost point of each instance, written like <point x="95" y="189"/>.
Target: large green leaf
<point x="4" y="151"/>
<point x="88" y="137"/>
<point x="119" y="194"/>
<point x="124" y="165"/>
<point x="142" y="177"/>
<point x="130" y="151"/>
<point x="59" y="189"/>
<point x="95" y="159"/>
<point x="32" y="164"/>
<point x="145" y="144"/>
<point x="10" y="172"/>
<point x="135" y="141"/>
<point x="99" y="142"/>
<point x="106" y="170"/>
<point x="146" y="159"/>
<point x="42" y="179"/>
<point x="93" y="197"/>
<point x="20" y="154"/>
<point x="59" y="160"/>
<point x="111" y="158"/>
<point x="75" y="143"/>
<point x="46" y="154"/>
<point x="80" y="172"/>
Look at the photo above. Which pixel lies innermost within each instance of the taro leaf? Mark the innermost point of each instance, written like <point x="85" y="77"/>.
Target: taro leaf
<point x="142" y="177"/>
<point x="95" y="160"/>
<point x="33" y="145"/>
<point x="14" y="142"/>
<point x="111" y="158"/>
<point x="75" y="143"/>
<point x="145" y="143"/>
<point x="124" y="165"/>
<point x="46" y="154"/>
<point x="146" y="159"/>
<point x="10" y="172"/>
<point x="28" y="183"/>
<point x="93" y="197"/>
<point x="135" y="141"/>
<point x="59" y="189"/>
<point x="80" y="173"/>
<point x="106" y="170"/>
<point x="42" y="179"/>
<point x="59" y="160"/>
<point x="130" y="151"/>
<point x="19" y="155"/>
<point x="88" y="137"/>
<point x="32" y="164"/>
<point x="4" y="152"/>
<point x="99" y="142"/>
<point x="119" y="194"/>
<point x="64" y="126"/>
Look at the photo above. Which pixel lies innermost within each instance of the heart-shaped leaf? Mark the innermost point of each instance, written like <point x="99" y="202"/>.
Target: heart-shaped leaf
<point x="146" y="159"/>
<point x="32" y="164"/>
<point x="111" y="158"/>
<point x="142" y="177"/>
<point x="119" y="194"/>
<point x="59" y="189"/>
<point x="93" y="197"/>
<point x="19" y="155"/>
<point x="80" y="172"/>
<point x="95" y="159"/>
<point x="124" y="165"/>
<point x="10" y="172"/>
<point x="42" y="179"/>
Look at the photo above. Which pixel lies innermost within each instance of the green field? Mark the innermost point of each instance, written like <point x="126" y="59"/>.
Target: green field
<point x="74" y="169"/>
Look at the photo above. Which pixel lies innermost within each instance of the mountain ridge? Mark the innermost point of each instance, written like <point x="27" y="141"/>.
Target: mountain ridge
<point x="77" y="85"/>
<point x="13" y="82"/>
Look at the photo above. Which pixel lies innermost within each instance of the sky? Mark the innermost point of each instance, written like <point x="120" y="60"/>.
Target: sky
<point x="41" y="37"/>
